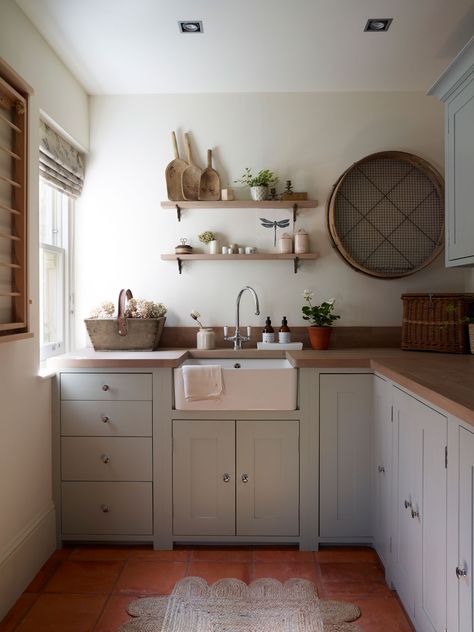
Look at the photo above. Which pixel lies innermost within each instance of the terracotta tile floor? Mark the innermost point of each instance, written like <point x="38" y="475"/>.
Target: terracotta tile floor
<point x="87" y="589"/>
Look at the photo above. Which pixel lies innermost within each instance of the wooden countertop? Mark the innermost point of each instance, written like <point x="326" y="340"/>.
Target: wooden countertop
<point x="90" y="359"/>
<point x="445" y="380"/>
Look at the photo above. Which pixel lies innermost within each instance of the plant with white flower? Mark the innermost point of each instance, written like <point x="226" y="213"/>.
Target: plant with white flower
<point x="195" y="315"/>
<point x="318" y="315"/>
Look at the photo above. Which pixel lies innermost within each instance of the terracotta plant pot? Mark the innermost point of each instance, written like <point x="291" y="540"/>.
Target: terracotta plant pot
<point x="319" y="337"/>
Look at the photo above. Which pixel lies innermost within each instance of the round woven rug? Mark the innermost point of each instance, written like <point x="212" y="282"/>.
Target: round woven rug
<point x="230" y="605"/>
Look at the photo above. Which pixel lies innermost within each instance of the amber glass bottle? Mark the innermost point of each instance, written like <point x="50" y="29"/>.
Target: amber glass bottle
<point x="284" y="333"/>
<point x="268" y="334"/>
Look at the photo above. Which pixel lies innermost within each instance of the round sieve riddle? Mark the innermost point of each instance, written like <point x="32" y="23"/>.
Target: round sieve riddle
<point x="385" y="214"/>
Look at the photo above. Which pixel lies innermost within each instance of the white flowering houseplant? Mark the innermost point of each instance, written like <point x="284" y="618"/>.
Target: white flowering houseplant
<point x="321" y="319"/>
<point x="136" y="325"/>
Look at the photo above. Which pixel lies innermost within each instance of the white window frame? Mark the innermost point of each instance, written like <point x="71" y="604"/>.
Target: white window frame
<point x="66" y="289"/>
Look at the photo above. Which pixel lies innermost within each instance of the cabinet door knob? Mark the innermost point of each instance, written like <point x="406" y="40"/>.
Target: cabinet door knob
<point x="460" y="572"/>
<point x="226" y="477"/>
<point x="105" y="458"/>
<point x="105" y="387"/>
<point x="415" y="514"/>
<point x="105" y="419"/>
<point x="407" y="504"/>
<point x="245" y="478"/>
<point x="105" y="508"/>
<point x="381" y="469"/>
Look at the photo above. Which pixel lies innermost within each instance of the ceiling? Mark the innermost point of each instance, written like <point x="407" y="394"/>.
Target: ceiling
<point x="135" y="47"/>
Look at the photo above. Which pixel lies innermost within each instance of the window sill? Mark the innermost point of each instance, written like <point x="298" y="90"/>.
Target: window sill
<point x="13" y="337"/>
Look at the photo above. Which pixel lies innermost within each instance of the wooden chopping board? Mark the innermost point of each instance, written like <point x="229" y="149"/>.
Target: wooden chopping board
<point x="174" y="173"/>
<point x="210" y="185"/>
<point x="191" y="177"/>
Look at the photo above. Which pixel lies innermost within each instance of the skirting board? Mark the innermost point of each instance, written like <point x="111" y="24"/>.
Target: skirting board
<point x="24" y="557"/>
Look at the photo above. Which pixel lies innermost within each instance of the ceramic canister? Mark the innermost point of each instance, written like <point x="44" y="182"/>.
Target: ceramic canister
<point x="205" y="338"/>
<point x="285" y="244"/>
<point x="301" y="242"/>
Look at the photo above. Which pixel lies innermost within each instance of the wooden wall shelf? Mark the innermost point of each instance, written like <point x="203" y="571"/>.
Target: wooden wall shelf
<point x="240" y="204"/>
<point x="263" y="256"/>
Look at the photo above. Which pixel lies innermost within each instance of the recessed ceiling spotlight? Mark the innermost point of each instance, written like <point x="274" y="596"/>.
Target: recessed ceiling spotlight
<point x="190" y="26"/>
<point x="377" y="25"/>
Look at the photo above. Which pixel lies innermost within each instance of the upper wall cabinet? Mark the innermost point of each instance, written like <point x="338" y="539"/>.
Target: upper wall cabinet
<point x="456" y="88"/>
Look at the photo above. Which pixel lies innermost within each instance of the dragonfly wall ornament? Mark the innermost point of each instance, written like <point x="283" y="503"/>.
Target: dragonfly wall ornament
<point x="267" y="223"/>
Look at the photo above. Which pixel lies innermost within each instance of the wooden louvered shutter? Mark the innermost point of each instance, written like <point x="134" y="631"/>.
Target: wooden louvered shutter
<point x="13" y="202"/>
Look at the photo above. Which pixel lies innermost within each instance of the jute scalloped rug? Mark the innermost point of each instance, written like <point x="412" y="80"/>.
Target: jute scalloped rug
<point x="230" y="605"/>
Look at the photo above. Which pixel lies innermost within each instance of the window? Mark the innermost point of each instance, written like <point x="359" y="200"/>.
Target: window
<point x="61" y="178"/>
<point x="13" y="158"/>
<point x="56" y="273"/>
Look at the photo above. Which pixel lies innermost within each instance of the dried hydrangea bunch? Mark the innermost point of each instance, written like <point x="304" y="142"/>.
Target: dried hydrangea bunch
<point x="105" y="310"/>
<point x="135" y="308"/>
<point x="139" y="308"/>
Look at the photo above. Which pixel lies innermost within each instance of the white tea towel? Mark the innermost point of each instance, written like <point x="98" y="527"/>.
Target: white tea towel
<point x="202" y="381"/>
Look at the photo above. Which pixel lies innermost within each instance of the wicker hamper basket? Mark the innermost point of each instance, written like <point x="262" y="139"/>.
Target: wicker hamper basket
<point x="436" y="322"/>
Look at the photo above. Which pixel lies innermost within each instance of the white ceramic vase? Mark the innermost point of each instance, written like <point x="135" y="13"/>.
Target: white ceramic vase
<point x="205" y="338"/>
<point x="259" y="193"/>
<point x="214" y="247"/>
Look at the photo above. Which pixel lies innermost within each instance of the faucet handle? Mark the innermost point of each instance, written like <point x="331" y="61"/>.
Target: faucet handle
<point x="249" y="332"/>
<point x="226" y="330"/>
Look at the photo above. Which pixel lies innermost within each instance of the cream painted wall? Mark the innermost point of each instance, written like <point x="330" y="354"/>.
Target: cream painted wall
<point x="27" y="533"/>
<point x="311" y="138"/>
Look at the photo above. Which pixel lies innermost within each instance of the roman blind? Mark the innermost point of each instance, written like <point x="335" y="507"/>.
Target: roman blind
<point x="61" y="164"/>
<point x="14" y="94"/>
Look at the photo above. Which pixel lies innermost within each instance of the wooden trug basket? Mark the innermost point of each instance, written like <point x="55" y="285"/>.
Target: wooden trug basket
<point x="436" y="322"/>
<point x="143" y="334"/>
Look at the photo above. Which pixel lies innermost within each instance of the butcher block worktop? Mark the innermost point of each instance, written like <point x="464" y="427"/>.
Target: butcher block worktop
<point x="445" y="380"/>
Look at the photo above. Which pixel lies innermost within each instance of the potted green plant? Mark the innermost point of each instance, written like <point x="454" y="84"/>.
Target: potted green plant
<point x="209" y="239"/>
<point x="258" y="184"/>
<point x="321" y="318"/>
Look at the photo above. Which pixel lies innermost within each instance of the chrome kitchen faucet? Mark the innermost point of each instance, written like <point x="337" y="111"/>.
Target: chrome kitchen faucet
<point x="237" y="338"/>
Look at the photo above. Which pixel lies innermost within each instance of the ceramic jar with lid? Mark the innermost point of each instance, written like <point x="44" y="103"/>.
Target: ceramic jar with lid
<point x="301" y="242"/>
<point x="285" y="244"/>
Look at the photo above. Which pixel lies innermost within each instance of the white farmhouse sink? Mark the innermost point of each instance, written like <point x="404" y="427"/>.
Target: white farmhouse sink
<point x="249" y="384"/>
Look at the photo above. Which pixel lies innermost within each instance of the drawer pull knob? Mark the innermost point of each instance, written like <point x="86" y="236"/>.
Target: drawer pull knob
<point x="105" y="508"/>
<point x="245" y="478"/>
<point x="105" y="458"/>
<point x="460" y="572"/>
<point x="407" y="504"/>
<point x="105" y="419"/>
<point x="415" y="514"/>
<point x="226" y="477"/>
<point x="381" y="469"/>
<point x="105" y="387"/>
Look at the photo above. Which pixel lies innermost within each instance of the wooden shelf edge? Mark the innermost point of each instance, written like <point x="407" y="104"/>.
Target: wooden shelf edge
<point x="240" y="204"/>
<point x="296" y="259"/>
<point x="264" y="256"/>
<point x="14" y="337"/>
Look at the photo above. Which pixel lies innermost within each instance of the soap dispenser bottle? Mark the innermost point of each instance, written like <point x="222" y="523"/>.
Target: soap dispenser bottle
<point x="268" y="334"/>
<point x="284" y="334"/>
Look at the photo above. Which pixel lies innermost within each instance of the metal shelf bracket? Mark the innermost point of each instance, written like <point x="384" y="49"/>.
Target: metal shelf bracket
<point x="178" y="212"/>
<point x="180" y="265"/>
<point x="295" y="211"/>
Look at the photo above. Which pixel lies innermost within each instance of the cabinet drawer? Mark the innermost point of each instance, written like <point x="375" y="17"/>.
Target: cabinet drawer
<point x="106" y="386"/>
<point x="107" y="419"/>
<point x="107" y="509"/>
<point x="106" y="459"/>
